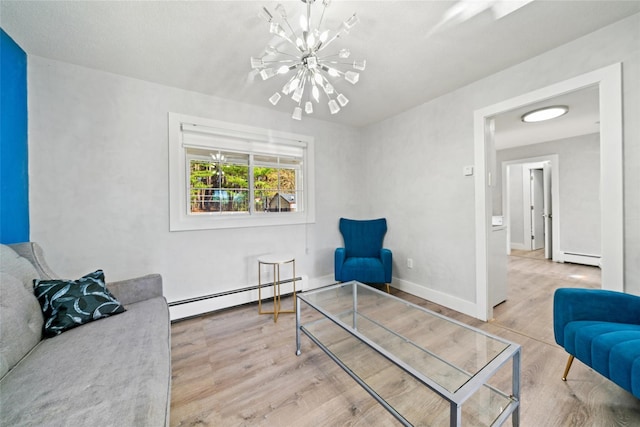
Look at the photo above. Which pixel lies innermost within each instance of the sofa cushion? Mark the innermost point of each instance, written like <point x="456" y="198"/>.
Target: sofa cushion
<point x="70" y="303"/>
<point x="605" y="348"/>
<point x="20" y="321"/>
<point x="624" y="352"/>
<point x="635" y="378"/>
<point x="579" y="336"/>
<point x="112" y="372"/>
<point x="17" y="266"/>
<point x="365" y="270"/>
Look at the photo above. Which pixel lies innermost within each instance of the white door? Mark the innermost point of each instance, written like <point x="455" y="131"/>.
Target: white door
<point x="547" y="211"/>
<point x="537" y="209"/>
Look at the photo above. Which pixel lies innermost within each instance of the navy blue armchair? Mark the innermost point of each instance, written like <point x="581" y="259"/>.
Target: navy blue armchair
<point x="363" y="258"/>
<point x="601" y="329"/>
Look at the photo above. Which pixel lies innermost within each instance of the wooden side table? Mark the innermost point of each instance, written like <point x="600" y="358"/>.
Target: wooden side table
<point x="275" y="261"/>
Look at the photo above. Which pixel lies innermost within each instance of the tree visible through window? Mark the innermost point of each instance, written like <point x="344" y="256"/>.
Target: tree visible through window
<point x="225" y="182"/>
<point x="275" y="184"/>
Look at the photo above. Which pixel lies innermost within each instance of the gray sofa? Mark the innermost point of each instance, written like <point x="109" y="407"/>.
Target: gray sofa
<point x="115" y="371"/>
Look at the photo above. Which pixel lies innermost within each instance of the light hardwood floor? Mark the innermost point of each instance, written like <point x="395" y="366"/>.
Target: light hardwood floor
<point x="236" y="368"/>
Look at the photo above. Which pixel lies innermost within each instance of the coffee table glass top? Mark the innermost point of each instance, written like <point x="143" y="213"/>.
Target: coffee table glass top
<point x="439" y="349"/>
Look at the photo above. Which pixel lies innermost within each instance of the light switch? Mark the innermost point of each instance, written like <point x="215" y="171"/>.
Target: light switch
<point x="467" y="170"/>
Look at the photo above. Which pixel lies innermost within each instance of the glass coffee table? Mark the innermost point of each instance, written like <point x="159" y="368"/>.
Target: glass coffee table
<point x="424" y="368"/>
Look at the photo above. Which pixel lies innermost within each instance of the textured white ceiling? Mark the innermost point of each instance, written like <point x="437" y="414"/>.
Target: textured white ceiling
<point x="205" y="46"/>
<point x="582" y="118"/>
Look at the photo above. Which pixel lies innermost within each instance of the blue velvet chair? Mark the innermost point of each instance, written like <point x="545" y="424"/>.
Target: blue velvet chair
<point x="363" y="258"/>
<point x="601" y="329"/>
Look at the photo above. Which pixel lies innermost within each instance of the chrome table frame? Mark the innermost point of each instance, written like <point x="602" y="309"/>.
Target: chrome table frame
<point x="456" y="398"/>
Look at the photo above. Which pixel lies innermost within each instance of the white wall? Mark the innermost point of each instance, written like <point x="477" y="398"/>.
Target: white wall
<point x="98" y="159"/>
<point x="579" y="175"/>
<point x="424" y="150"/>
<point x="428" y="202"/>
<point x="99" y="189"/>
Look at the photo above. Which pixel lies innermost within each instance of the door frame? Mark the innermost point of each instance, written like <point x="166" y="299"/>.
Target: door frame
<point x="531" y="198"/>
<point x="547" y="172"/>
<point x="609" y="82"/>
<point x="528" y="168"/>
<point x="536" y="162"/>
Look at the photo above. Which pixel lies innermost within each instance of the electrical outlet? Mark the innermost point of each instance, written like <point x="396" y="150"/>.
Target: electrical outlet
<point x="410" y="262"/>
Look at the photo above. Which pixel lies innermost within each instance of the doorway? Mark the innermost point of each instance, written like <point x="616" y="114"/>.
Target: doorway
<point x="528" y="205"/>
<point x="608" y="81"/>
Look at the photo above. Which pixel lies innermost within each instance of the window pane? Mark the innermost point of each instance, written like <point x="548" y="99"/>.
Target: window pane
<point x="282" y="202"/>
<point x="276" y="188"/>
<point x="287" y="178"/>
<point x="201" y="183"/>
<point x="262" y="160"/>
<point x="290" y="161"/>
<point x="261" y="200"/>
<point x="219" y="184"/>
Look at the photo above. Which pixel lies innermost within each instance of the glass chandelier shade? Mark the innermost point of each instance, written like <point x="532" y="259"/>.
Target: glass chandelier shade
<point x="302" y="58"/>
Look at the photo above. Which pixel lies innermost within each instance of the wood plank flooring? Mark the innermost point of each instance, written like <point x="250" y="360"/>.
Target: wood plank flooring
<point x="237" y="368"/>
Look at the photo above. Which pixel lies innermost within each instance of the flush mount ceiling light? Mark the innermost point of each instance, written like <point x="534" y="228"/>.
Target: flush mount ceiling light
<point x="546" y="113"/>
<point x="302" y="57"/>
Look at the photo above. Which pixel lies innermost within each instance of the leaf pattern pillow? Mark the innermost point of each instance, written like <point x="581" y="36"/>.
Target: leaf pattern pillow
<point x="70" y="303"/>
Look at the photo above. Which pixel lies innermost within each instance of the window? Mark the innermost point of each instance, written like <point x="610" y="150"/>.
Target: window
<point x="218" y="181"/>
<point x="227" y="175"/>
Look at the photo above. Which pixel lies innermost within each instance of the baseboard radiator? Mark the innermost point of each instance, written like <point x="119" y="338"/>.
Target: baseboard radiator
<point x="231" y="292"/>
<point x="585" y="259"/>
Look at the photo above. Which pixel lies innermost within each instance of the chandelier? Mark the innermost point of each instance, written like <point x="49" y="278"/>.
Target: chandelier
<point x="301" y="56"/>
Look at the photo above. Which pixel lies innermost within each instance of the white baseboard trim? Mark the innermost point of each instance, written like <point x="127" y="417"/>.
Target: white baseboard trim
<point x="519" y="247"/>
<point x="208" y="305"/>
<point x="463" y="306"/>
<point x="215" y="303"/>
<point x="318" y="282"/>
<point x="196" y="308"/>
<point x="584" y="259"/>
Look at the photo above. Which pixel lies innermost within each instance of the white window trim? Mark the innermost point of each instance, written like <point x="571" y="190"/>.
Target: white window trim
<point x="180" y="220"/>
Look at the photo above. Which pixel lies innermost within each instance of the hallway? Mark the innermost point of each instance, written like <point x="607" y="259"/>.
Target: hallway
<point x="531" y="282"/>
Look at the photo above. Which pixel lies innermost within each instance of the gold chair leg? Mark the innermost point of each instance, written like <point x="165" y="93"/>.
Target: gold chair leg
<point x="388" y="288"/>
<point x="566" y="370"/>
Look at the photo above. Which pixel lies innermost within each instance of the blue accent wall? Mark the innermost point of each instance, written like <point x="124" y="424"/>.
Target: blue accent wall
<point x="14" y="167"/>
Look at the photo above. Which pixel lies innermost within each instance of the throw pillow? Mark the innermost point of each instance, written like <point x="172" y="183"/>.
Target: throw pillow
<point x="70" y="303"/>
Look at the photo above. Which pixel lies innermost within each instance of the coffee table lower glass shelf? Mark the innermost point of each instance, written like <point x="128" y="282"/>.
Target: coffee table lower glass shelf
<point x="424" y="368"/>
